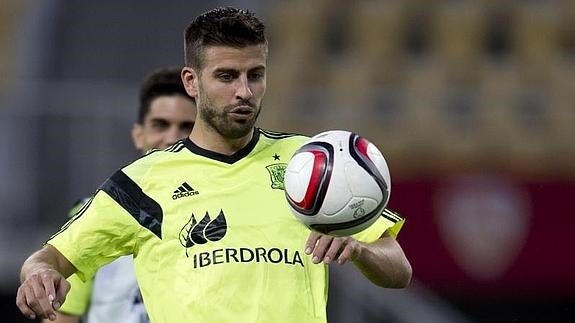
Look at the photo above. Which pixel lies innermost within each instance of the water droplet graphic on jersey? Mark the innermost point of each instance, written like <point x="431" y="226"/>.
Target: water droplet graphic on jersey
<point x="216" y="229"/>
<point x="197" y="232"/>
<point x="201" y="232"/>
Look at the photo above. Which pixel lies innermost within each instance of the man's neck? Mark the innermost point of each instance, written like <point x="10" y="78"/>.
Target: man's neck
<point x="213" y="141"/>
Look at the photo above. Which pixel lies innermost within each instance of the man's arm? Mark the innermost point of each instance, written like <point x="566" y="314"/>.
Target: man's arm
<point x="44" y="286"/>
<point x="63" y="318"/>
<point x="382" y="261"/>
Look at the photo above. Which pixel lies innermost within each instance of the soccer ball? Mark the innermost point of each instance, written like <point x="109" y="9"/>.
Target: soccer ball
<point x="337" y="183"/>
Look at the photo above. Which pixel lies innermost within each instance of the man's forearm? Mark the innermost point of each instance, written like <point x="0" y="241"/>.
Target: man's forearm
<point x="384" y="263"/>
<point x="64" y="318"/>
<point x="48" y="258"/>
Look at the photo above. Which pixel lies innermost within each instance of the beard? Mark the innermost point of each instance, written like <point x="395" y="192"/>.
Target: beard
<point x="218" y="119"/>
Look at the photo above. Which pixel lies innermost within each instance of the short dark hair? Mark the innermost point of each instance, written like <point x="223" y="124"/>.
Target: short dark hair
<point x="222" y="27"/>
<point x="161" y="82"/>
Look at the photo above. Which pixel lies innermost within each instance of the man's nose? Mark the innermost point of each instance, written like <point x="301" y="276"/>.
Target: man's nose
<point x="243" y="90"/>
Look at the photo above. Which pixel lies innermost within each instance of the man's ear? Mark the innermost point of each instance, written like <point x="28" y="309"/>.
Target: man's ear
<point x="190" y="80"/>
<point x="138" y="136"/>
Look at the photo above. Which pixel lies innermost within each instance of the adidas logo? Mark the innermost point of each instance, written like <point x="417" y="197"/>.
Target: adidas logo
<point x="184" y="190"/>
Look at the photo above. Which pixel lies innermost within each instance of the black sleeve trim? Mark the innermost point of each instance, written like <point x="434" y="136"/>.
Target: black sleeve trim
<point x="391" y="215"/>
<point x="129" y="196"/>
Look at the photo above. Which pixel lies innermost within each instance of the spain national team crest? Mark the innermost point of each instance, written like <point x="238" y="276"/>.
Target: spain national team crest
<point x="277" y="172"/>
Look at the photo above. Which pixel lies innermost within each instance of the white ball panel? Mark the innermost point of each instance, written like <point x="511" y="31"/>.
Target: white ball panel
<point x="298" y="175"/>
<point x="337" y="195"/>
<point x="361" y="183"/>
<point x="377" y="157"/>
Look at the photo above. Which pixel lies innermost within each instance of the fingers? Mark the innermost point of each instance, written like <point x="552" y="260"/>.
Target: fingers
<point x="327" y="248"/>
<point x="43" y="296"/>
<point x="49" y="289"/>
<point x="62" y="290"/>
<point x="333" y="249"/>
<point x="317" y="245"/>
<point x="349" y="252"/>
<point x="311" y="242"/>
<point x="22" y="303"/>
<point x="37" y="295"/>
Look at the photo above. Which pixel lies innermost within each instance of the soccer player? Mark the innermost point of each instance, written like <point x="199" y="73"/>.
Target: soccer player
<point x="206" y="219"/>
<point x="166" y="114"/>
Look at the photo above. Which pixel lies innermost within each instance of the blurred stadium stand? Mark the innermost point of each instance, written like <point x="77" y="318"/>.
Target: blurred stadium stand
<point x="446" y="88"/>
<point x="11" y="14"/>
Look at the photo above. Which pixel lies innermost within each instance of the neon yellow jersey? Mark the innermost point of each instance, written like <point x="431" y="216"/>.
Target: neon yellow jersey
<point x="212" y="236"/>
<point x="78" y="297"/>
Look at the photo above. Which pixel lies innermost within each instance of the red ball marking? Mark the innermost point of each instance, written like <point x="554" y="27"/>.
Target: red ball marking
<point x="317" y="174"/>
<point x="362" y="144"/>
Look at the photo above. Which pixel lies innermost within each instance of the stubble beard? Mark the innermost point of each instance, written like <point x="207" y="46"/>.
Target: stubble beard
<point x="218" y="119"/>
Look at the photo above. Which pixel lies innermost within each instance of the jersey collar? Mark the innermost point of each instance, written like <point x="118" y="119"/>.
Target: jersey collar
<point x="221" y="157"/>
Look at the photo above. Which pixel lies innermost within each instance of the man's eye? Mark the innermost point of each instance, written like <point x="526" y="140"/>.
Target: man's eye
<point x="226" y="77"/>
<point x="255" y="76"/>
<point x="159" y="125"/>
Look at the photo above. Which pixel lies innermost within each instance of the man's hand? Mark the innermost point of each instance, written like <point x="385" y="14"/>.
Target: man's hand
<point x="327" y="248"/>
<point x="42" y="293"/>
<point x="44" y="285"/>
<point x="382" y="261"/>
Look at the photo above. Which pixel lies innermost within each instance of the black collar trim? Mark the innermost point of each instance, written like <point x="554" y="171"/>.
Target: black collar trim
<point x="221" y="157"/>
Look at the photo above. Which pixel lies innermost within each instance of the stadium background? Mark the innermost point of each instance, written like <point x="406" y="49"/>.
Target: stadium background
<point x="472" y="103"/>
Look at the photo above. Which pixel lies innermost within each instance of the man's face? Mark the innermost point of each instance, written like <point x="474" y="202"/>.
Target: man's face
<point x="230" y="88"/>
<point x="170" y="119"/>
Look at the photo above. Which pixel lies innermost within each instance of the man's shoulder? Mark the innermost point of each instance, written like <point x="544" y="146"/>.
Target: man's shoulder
<point x="279" y="134"/>
<point x="154" y="157"/>
<point x="278" y="137"/>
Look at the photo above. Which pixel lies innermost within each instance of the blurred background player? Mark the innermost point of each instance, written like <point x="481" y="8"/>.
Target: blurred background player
<point x="166" y="115"/>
